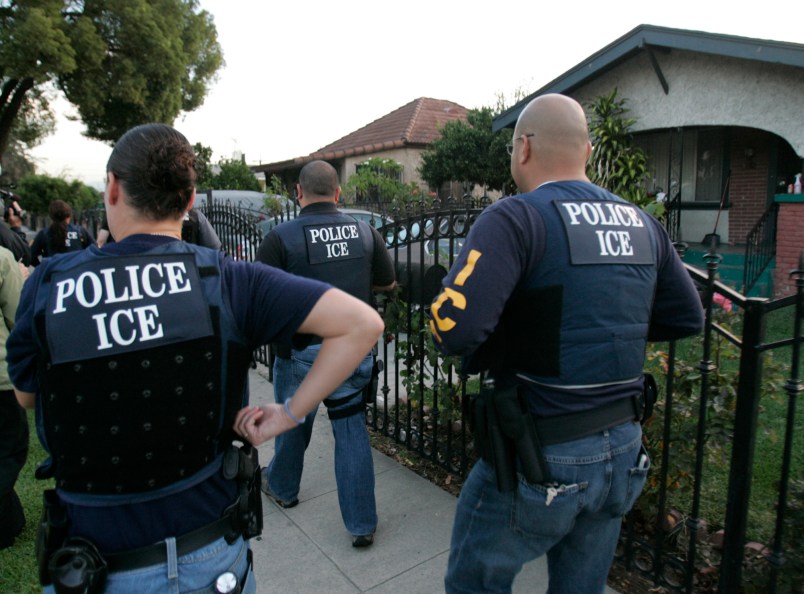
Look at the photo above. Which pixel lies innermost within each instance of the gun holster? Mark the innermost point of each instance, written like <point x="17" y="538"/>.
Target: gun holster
<point x="77" y="568"/>
<point x="506" y="437"/>
<point x="242" y="465"/>
<point x="370" y="390"/>
<point x="51" y="533"/>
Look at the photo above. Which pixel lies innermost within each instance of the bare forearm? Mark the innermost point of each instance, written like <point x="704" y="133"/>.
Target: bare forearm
<point x="349" y="329"/>
<point x="26" y="399"/>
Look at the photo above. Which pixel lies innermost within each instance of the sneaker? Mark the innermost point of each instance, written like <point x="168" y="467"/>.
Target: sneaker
<point x="364" y="540"/>
<point x="277" y="500"/>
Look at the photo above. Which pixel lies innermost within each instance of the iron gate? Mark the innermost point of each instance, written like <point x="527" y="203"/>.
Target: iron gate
<point x="683" y="535"/>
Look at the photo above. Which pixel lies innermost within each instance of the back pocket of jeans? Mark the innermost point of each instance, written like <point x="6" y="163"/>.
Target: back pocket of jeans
<point x="546" y="511"/>
<point x="636" y="481"/>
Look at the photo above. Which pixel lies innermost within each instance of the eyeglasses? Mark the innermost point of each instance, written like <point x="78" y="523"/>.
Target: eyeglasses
<point x="510" y="146"/>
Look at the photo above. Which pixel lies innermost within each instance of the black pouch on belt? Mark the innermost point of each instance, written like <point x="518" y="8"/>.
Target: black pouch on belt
<point x="650" y="393"/>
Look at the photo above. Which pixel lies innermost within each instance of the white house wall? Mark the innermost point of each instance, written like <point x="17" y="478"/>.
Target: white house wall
<point x="707" y="90"/>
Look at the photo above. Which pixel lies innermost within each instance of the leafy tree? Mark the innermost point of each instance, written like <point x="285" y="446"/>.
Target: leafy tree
<point x="617" y="164"/>
<point x="203" y="168"/>
<point x="120" y="62"/>
<point x="234" y="174"/>
<point x="38" y="191"/>
<point x="278" y="198"/>
<point x="378" y="180"/>
<point x="469" y="152"/>
<point x="17" y="163"/>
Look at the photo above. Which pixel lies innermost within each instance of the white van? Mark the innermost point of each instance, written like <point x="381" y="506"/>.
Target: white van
<point x="245" y="199"/>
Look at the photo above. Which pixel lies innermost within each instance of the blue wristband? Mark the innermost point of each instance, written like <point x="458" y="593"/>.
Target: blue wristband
<point x="291" y="415"/>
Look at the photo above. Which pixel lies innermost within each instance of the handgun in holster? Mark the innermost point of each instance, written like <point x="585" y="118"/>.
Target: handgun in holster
<point x="242" y="465"/>
<point x="51" y="533"/>
<point x="490" y="442"/>
<point x="370" y="391"/>
<point x="516" y="423"/>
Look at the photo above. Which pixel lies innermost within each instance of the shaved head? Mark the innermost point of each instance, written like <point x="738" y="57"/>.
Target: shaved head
<point x="318" y="179"/>
<point x="557" y="135"/>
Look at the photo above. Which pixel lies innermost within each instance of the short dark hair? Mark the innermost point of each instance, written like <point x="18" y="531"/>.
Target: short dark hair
<point x="156" y="166"/>
<point x="318" y="178"/>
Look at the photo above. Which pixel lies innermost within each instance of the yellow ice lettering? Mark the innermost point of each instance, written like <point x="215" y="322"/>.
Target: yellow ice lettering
<point x="471" y="260"/>
<point x="458" y="300"/>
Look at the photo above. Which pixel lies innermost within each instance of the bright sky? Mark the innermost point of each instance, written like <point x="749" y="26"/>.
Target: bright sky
<point x="300" y="75"/>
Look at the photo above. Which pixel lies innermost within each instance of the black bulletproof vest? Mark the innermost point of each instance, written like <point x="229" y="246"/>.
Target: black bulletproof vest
<point x="330" y="247"/>
<point x="141" y="376"/>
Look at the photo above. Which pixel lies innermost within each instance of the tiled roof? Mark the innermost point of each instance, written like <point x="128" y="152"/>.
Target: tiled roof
<point x="415" y="124"/>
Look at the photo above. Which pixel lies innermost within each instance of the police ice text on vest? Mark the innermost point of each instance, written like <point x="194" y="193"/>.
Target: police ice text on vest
<point x="130" y="323"/>
<point x="612" y="242"/>
<point x="334" y="238"/>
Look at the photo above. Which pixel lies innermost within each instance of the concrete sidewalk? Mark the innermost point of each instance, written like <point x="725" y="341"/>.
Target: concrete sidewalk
<point x="307" y="549"/>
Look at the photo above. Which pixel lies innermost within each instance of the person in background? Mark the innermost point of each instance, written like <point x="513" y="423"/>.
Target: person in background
<point x="555" y="294"/>
<point x="12" y="236"/>
<point x="13" y="419"/>
<point x="327" y="245"/>
<point x="13" y="216"/>
<point x="195" y="228"/>
<point x="144" y="415"/>
<point x="61" y="236"/>
<point x="104" y="236"/>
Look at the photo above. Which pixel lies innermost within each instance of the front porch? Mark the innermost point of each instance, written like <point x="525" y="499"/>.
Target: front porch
<point x="731" y="267"/>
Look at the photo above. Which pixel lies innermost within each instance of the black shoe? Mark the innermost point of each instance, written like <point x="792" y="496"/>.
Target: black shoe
<point x="277" y="500"/>
<point x="362" y="541"/>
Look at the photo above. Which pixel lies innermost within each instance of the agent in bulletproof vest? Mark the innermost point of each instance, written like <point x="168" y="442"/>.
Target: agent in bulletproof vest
<point x="327" y="245"/>
<point x="136" y="359"/>
<point x="554" y="296"/>
<point x="61" y="236"/>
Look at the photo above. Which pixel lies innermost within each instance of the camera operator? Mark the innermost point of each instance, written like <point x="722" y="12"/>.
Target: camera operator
<point x="12" y="236"/>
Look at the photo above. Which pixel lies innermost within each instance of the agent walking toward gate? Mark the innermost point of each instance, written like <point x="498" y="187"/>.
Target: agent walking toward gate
<point x="324" y="244"/>
<point x="555" y="293"/>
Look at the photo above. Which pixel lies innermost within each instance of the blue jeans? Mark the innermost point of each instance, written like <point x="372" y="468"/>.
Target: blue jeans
<point x="194" y="573"/>
<point x="575" y="520"/>
<point x="354" y="467"/>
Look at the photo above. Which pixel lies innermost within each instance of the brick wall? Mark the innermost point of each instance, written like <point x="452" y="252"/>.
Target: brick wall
<point x="748" y="187"/>
<point x="789" y="244"/>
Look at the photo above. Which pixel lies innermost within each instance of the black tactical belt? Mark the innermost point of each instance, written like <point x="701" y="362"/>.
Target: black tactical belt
<point x="573" y="426"/>
<point x="156" y="554"/>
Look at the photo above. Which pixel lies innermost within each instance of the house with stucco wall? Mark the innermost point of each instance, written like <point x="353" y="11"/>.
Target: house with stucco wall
<point x="721" y="119"/>
<point x="400" y="135"/>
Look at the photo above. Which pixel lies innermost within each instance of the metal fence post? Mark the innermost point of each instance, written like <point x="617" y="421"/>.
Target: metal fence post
<point x="793" y="387"/>
<point x="742" y="455"/>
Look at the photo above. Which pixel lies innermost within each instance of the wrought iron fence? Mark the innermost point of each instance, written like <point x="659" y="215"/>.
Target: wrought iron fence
<point x="760" y="247"/>
<point x="678" y="536"/>
<point x="685" y="534"/>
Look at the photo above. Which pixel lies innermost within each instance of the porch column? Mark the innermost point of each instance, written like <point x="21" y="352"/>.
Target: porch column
<point x="789" y="242"/>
